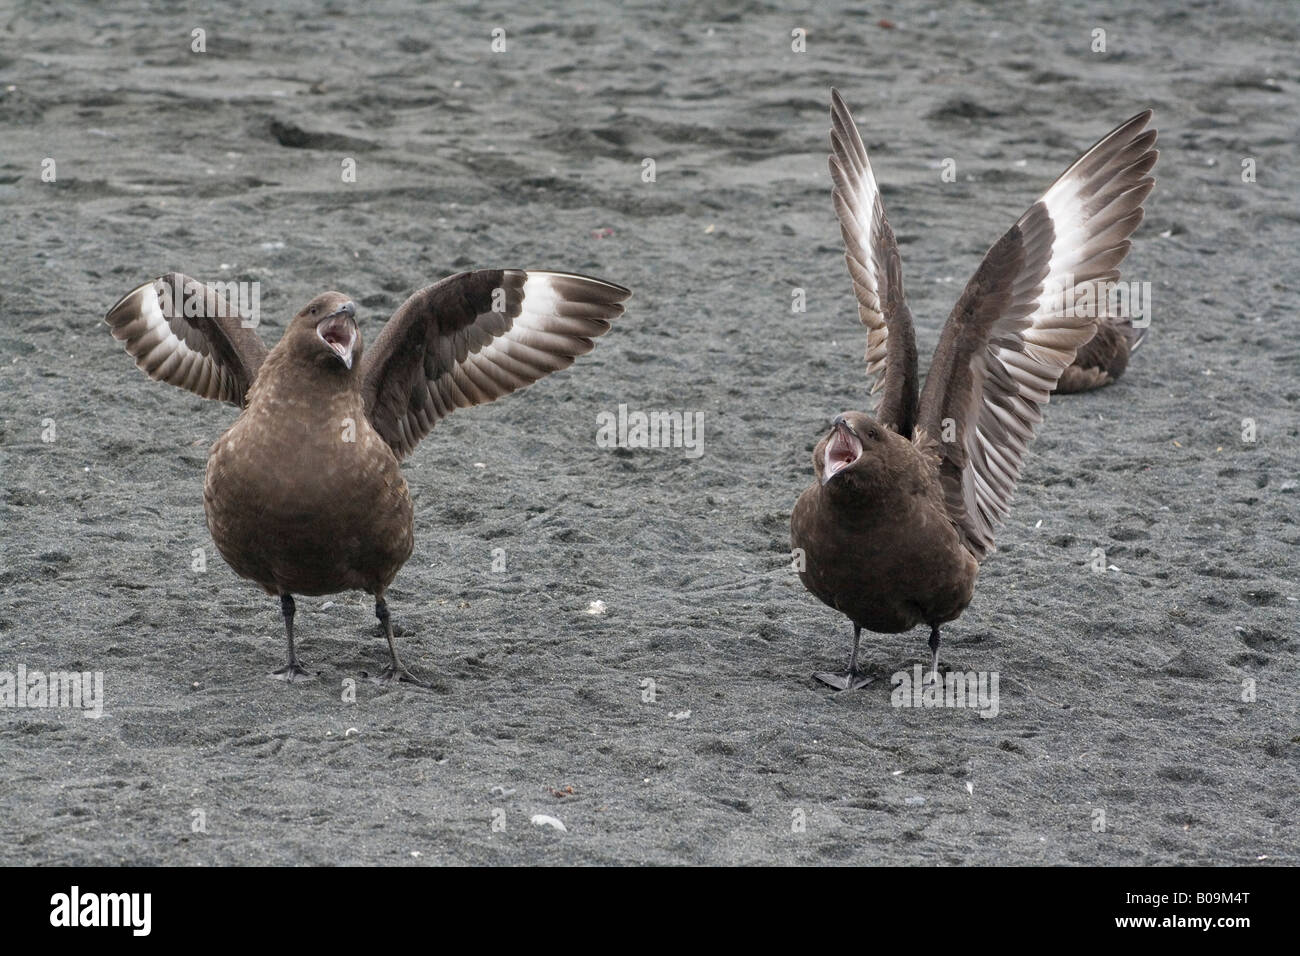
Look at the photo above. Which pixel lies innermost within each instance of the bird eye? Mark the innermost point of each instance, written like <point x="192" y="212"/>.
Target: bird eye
<point x="312" y="310"/>
<point x="873" y="434"/>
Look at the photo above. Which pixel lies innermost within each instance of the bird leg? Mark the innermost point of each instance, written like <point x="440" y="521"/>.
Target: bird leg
<point x="293" y="670"/>
<point x="396" y="671"/>
<point x="934" y="655"/>
<point x="854" y="679"/>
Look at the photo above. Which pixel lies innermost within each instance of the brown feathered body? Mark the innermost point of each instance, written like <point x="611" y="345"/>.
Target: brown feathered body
<point x="302" y="495"/>
<point x="1104" y="358"/>
<point x="878" y="544"/>
<point x="906" y="503"/>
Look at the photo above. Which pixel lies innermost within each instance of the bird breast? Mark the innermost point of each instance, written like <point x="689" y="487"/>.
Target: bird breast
<point x="289" y="459"/>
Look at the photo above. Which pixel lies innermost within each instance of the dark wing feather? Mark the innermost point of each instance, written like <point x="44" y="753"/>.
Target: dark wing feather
<point x="1013" y="331"/>
<point x="188" y="334"/>
<point x="876" y="269"/>
<point x="474" y="337"/>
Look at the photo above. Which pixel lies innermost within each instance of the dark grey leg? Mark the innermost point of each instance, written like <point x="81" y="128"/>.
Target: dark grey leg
<point x="293" y="670"/>
<point x="853" y="680"/>
<point x="396" y="671"/>
<point x="934" y="655"/>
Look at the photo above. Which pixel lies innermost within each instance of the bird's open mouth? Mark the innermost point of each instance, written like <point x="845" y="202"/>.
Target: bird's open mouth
<point x="339" y="332"/>
<point x="841" y="451"/>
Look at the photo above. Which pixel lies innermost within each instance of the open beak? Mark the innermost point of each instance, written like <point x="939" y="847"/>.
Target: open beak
<point x="843" y="450"/>
<point x="338" y="330"/>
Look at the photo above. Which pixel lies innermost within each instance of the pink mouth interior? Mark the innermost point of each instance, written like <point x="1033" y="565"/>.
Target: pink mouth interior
<point x="339" y="334"/>
<point x="841" y="451"/>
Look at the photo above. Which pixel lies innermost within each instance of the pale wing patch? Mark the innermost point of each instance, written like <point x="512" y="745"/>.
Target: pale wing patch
<point x="1090" y="213"/>
<point x="558" y="317"/>
<point x="862" y="222"/>
<point x="137" y="321"/>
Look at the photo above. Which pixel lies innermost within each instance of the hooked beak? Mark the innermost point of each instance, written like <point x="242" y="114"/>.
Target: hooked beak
<point x="338" y="330"/>
<point x="842" y="450"/>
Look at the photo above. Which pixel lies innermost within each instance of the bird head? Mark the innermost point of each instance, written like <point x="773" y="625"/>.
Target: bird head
<point x="326" y="331"/>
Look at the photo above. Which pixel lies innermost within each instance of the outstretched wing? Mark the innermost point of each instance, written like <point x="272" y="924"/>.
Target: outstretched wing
<point x="474" y="337"/>
<point x="188" y="334"/>
<point x="877" y="273"/>
<point x="1016" y="326"/>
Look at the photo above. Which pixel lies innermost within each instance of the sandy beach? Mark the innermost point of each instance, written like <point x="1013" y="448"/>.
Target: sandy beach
<point x="615" y="635"/>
